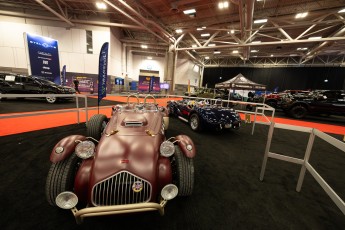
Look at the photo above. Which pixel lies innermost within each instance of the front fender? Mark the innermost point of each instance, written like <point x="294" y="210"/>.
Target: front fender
<point x="186" y="145"/>
<point x="67" y="145"/>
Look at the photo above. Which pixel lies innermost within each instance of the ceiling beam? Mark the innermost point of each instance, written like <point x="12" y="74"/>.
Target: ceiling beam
<point x="86" y="22"/>
<point x="341" y="38"/>
<point x="326" y="43"/>
<point x="136" y="21"/>
<point x="54" y="12"/>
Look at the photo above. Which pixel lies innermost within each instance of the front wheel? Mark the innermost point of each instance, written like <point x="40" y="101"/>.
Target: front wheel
<point x="298" y="112"/>
<point x="272" y="104"/>
<point x="51" y="100"/>
<point x="183" y="172"/>
<point x="96" y="126"/>
<point x="61" y="177"/>
<point x="194" y="122"/>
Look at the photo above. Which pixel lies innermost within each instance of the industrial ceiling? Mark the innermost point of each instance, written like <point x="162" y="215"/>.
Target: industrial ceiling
<point x="217" y="34"/>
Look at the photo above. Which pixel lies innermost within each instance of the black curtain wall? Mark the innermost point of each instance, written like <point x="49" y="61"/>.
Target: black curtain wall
<point x="283" y="78"/>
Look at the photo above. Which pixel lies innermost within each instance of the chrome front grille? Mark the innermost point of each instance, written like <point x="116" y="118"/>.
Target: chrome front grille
<point x="117" y="190"/>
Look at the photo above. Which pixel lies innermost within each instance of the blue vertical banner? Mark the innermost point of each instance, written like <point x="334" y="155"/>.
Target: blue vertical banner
<point x="102" y="72"/>
<point x="63" y="75"/>
<point x="151" y="84"/>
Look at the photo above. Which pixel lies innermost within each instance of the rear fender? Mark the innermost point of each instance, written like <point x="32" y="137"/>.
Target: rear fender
<point x="186" y="145"/>
<point x="65" y="147"/>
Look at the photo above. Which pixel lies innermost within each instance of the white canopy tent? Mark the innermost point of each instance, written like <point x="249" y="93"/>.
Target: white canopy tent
<point x="240" y="82"/>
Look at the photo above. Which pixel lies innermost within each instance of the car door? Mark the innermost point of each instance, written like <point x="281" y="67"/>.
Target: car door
<point x="5" y="87"/>
<point x="14" y="84"/>
<point x="339" y="102"/>
<point x="325" y="103"/>
<point x="32" y="86"/>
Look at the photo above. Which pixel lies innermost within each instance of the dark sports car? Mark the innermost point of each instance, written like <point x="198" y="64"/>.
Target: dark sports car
<point x="202" y="114"/>
<point x="19" y="84"/>
<point x="124" y="164"/>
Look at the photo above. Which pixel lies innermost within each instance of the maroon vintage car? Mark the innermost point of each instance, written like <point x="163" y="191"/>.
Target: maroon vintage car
<point x="124" y="164"/>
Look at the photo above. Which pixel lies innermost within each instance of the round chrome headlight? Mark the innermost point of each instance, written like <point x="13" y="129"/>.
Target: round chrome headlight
<point x="66" y="200"/>
<point x="169" y="192"/>
<point x="85" y="149"/>
<point x="167" y="148"/>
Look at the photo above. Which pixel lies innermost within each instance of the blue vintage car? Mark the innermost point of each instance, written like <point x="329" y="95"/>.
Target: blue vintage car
<point x="202" y="114"/>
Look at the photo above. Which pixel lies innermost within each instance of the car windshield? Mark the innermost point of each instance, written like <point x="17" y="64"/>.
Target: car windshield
<point x="45" y="81"/>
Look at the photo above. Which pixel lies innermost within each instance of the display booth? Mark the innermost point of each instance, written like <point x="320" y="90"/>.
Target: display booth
<point x="240" y="82"/>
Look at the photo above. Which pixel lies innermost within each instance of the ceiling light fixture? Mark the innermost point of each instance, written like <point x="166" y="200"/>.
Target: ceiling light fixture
<point x="205" y="35"/>
<point x="207" y="58"/>
<point x="304" y="48"/>
<point x="341" y="11"/>
<point x="222" y="5"/>
<point x="178" y="31"/>
<point x="190" y="11"/>
<point x="199" y="28"/>
<point x="216" y="52"/>
<point x="260" y="21"/>
<point x="194" y="46"/>
<point x="254" y="51"/>
<point x="144" y="46"/>
<point x="235" y="51"/>
<point x="101" y="5"/>
<point x="211" y="45"/>
<point x="301" y="15"/>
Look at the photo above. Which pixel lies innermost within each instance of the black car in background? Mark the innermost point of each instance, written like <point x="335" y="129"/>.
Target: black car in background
<point x="328" y="102"/>
<point x="214" y="93"/>
<point x="19" y="84"/>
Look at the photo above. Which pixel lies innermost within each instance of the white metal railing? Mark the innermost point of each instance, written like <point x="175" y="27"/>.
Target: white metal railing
<point x="258" y="106"/>
<point x="305" y="165"/>
<point x="3" y="116"/>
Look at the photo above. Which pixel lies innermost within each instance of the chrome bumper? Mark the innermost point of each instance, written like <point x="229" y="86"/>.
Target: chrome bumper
<point x="117" y="209"/>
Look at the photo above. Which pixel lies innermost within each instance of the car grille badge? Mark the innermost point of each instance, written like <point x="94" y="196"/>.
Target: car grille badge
<point x="137" y="186"/>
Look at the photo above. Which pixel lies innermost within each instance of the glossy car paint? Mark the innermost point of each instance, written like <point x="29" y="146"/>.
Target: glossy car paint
<point x="68" y="145"/>
<point x="330" y="102"/>
<point x="183" y="142"/>
<point x="211" y="116"/>
<point x="31" y="85"/>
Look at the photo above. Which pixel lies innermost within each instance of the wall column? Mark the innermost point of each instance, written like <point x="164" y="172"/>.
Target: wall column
<point x="171" y="59"/>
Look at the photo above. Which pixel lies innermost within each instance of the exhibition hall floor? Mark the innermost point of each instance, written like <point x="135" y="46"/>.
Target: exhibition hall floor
<point x="227" y="194"/>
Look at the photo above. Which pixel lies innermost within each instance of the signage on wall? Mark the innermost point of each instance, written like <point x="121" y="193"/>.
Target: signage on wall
<point x="119" y="81"/>
<point x="43" y="57"/>
<point x="149" y="84"/>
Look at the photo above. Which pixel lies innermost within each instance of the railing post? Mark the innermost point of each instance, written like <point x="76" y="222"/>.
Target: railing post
<point x="306" y="159"/>
<point x="77" y="105"/>
<point x="256" y="111"/>
<point x="268" y="146"/>
<point x="86" y="110"/>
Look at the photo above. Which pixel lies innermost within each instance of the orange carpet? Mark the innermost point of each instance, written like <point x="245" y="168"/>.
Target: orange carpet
<point x="9" y="126"/>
